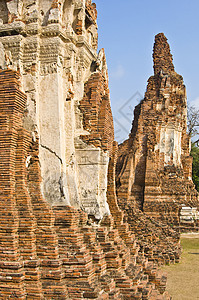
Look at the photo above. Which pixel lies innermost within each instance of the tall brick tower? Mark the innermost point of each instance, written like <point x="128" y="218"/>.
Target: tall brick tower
<point x="154" y="170"/>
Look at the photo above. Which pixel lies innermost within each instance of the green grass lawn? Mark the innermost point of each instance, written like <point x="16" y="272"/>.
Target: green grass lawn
<point x="183" y="278"/>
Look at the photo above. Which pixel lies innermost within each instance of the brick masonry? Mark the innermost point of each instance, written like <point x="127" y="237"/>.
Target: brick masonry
<point x="97" y="114"/>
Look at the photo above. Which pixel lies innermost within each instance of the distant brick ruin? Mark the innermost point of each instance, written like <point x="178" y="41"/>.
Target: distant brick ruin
<point x="67" y="231"/>
<point x="154" y="168"/>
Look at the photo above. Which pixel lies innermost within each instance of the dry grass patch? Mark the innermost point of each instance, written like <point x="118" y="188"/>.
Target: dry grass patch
<point x="183" y="278"/>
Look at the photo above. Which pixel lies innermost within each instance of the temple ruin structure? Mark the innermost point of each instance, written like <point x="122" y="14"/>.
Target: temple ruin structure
<point x="154" y="168"/>
<point x="66" y="231"/>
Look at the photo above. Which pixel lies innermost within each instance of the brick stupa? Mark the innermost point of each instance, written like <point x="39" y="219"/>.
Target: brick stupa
<point x="154" y="168"/>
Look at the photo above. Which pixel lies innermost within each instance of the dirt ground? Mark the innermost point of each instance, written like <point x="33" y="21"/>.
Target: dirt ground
<point x="183" y="278"/>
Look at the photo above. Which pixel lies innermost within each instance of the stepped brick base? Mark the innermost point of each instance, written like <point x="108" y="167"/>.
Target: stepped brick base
<point x="58" y="254"/>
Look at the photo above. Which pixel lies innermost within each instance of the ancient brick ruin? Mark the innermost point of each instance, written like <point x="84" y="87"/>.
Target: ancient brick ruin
<point x="66" y="231"/>
<point x="54" y="253"/>
<point x="154" y="168"/>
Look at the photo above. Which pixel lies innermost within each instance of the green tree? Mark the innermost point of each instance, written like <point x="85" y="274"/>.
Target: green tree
<point x="195" y="170"/>
<point x="193" y="123"/>
<point x="193" y="131"/>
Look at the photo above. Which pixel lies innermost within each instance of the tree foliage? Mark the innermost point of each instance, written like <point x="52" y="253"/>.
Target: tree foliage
<point x="195" y="170"/>
<point x="193" y="123"/>
<point x="193" y="131"/>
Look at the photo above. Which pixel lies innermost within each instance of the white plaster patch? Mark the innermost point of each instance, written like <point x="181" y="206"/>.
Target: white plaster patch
<point x="170" y="144"/>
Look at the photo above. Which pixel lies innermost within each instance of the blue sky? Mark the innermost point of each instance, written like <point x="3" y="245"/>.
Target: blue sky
<point x="126" y="30"/>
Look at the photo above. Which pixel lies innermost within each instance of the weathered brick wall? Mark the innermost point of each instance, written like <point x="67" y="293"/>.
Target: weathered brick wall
<point x="97" y="115"/>
<point x="29" y="246"/>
